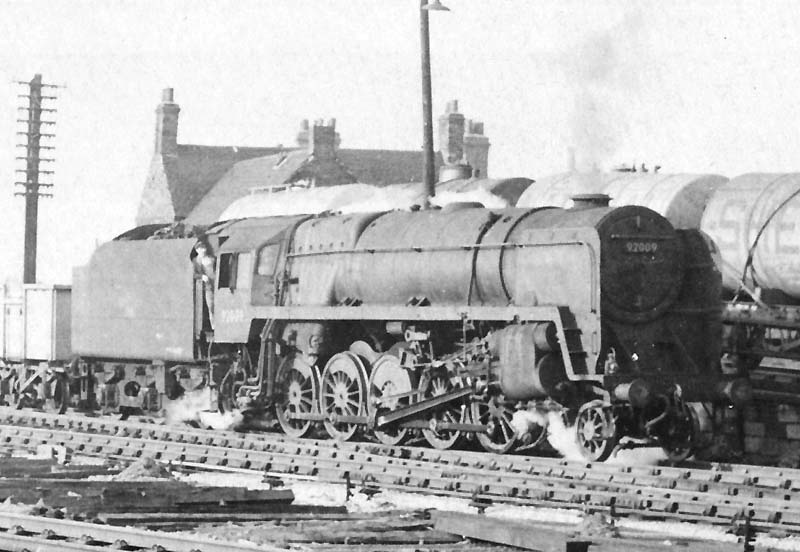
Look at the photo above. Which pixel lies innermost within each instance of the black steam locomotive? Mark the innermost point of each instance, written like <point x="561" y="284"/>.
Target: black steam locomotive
<point x="449" y="323"/>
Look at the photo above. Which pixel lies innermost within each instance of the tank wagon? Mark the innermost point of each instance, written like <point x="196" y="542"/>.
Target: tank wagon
<point x="452" y="323"/>
<point x="681" y="198"/>
<point x="753" y="220"/>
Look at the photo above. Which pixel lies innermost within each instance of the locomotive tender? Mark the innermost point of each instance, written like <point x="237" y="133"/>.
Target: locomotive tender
<point x="452" y="323"/>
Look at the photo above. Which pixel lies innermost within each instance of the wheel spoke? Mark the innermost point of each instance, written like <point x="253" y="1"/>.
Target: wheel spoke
<point x="300" y="388"/>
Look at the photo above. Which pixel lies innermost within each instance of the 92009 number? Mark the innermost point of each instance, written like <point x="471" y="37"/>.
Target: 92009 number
<point x="641" y="247"/>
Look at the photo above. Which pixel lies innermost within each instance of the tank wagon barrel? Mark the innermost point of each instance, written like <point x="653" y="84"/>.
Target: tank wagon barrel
<point x="681" y="198"/>
<point x="753" y="219"/>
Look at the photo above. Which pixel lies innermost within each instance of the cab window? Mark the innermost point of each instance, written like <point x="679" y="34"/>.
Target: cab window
<point x="244" y="269"/>
<point x="267" y="258"/>
<point x="228" y="264"/>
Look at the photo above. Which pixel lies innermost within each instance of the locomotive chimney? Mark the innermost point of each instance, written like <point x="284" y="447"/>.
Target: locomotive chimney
<point x="167" y="124"/>
<point x="302" y="135"/>
<point x="590" y="201"/>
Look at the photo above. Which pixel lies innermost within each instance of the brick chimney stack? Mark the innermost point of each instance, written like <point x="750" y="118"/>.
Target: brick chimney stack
<point x="302" y="135"/>
<point x="167" y="124"/>
<point x="323" y="140"/>
<point x="451" y="134"/>
<point x="476" y="149"/>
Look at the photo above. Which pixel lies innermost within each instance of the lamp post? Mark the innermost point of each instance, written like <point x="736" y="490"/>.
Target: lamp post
<point x="428" y="176"/>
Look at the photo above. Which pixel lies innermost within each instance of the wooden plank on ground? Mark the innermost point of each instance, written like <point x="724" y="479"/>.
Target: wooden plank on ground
<point x="530" y="536"/>
<point x="143" y="495"/>
<point x="510" y="533"/>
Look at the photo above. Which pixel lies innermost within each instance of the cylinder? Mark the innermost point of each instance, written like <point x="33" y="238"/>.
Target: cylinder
<point x="545" y="337"/>
<point x="636" y="392"/>
<point x="753" y="219"/>
<point x="525" y="372"/>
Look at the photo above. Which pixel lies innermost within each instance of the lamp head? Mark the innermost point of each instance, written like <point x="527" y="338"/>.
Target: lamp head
<point x="435" y="5"/>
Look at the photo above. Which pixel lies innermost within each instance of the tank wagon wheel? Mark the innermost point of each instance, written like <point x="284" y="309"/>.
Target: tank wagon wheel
<point x="389" y="378"/>
<point x="496" y="415"/>
<point x="57" y="400"/>
<point x="683" y="429"/>
<point x="298" y="389"/>
<point x="596" y="431"/>
<point x="343" y="392"/>
<point x="455" y="412"/>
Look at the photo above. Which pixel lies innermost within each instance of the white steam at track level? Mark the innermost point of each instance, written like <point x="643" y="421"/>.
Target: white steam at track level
<point x="196" y="408"/>
<point x="562" y="438"/>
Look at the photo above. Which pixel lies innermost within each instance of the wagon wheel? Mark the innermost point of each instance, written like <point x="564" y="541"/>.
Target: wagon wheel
<point x="679" y="439"/>
<point x="493" y="412"/>
<point x="57" y="394"/>
<point x="388" y="379"/>
<point x="343" y="392"/>
<point x="596" y="431"/>
<point x="298" y="392"/>
<point x="452" y="412"/>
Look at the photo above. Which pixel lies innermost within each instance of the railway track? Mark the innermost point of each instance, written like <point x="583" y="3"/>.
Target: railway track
<point x="717" y="494"/>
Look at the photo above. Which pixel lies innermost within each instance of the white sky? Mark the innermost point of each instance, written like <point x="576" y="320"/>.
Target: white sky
<point x="704" y="86"/>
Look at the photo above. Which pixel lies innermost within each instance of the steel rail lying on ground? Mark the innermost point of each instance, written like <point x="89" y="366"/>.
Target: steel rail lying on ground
<point x="25" y="532"/>
<point x="500" y="480"/>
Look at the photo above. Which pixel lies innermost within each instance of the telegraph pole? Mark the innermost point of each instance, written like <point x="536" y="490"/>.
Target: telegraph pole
<point x="33" y="148"/>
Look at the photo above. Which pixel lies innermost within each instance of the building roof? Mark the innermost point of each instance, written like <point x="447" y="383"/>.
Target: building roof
<point x="383" y="167"/>
<point x="294" y="166"/>
<point x="196" y="169"/>
<point x="210" y="179"/>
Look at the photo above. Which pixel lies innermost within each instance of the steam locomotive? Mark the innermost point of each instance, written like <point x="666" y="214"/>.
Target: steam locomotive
<point x="452" y="323"/>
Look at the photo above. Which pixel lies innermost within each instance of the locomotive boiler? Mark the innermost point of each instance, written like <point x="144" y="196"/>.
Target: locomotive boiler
<point x="442" y="323"/>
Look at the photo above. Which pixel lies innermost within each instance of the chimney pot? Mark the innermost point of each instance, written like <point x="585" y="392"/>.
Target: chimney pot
<point x="475" y="127"/>
<point x="304" y="124"/>
<point x="451" y="134"/>
<point x="323" y="140"/>
<point x="167" y="124"/>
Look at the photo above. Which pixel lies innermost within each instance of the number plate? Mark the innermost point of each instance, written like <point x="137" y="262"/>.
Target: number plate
<point x="641" y="247"/>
